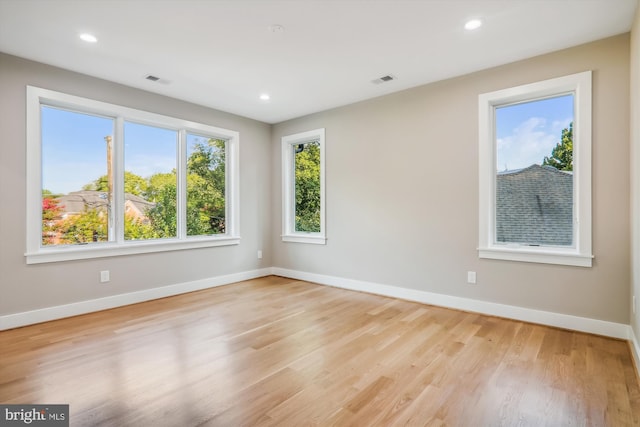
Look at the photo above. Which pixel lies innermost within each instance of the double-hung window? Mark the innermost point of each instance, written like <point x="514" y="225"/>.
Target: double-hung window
<point x="535" y="172"/>
<point x="106" y="180"/>
<point x="303" y="187"/>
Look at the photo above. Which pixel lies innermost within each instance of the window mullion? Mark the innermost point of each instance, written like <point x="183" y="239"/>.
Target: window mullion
<point x="181" y="190"/>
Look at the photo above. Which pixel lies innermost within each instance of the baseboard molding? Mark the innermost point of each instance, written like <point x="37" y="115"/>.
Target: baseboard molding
<point x="16" y="320"/>
<point x="583" y="324"/>
<point x="635" y="350"/>
<point x="565" y="321"/>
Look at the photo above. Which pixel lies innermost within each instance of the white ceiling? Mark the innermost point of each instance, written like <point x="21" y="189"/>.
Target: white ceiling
<point x="222" y="53"/>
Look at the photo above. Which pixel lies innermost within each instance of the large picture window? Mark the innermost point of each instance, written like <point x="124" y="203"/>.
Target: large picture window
<point x="535" y="172"/>
<point x="303" y="187"/>
<point x="106" y="180"/>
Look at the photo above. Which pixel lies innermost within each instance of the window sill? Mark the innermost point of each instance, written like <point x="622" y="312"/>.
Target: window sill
<point x="542" y="255"/>
<point x="101" y="250"/>
<point x="313" y="239"/>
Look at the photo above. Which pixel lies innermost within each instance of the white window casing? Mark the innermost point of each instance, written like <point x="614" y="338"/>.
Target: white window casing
<point x="289" y="233"/>
<point x="578" y="254"/>
<point x="37" y="253"/>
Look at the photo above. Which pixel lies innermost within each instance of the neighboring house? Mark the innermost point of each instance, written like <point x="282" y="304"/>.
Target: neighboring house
<point x="534" y="206"/>
<point x="77" y="202"/>
<point x="137" y="207"/>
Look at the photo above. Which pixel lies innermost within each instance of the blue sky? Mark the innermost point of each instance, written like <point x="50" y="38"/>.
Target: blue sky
<point x="74" y="149"/>
<point x="526" y="133"/>
<point x="149" y="150"/>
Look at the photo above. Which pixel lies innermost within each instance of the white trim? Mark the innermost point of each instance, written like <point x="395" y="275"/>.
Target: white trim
<point x="16" y="320"/>
<point x="635" y="350"/>
<point x="565" y="321"/>
<point x="580" y="255"/>
<point x="288" y="188"/>
<point x="529" y="254"/>
<point x="582" y="324"/>
<point x="301" y="238"/>
<point x="131" y="247"/>
<point x="36" y="253"/>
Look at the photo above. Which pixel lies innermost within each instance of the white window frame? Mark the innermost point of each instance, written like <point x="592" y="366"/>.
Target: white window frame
<point x="289" y="233"/>
<point x="580" y="253"/>
<point x="37" y="253"/>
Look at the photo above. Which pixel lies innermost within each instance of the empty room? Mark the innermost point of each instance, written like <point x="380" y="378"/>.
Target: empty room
<point x="316" y="212"/>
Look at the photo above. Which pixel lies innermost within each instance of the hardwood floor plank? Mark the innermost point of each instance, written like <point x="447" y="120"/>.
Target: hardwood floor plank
<point x="282" y="352"/>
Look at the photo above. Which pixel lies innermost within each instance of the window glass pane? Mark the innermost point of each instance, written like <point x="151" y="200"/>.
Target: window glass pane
<point x="534" y="177"/>
<point x="206" y="181"/>
<point x="75" y="157"/>
<point x="150" y="182"/>
<point x="307" y="186"/>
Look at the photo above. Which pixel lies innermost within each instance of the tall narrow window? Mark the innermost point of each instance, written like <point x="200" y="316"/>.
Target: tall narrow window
<point x="303" y="187"/>
<point x="106" y="180"/>
<point x="535" y="172"/>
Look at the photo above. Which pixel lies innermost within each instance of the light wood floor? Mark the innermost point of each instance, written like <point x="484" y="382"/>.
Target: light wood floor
<point x="281" y="352"/>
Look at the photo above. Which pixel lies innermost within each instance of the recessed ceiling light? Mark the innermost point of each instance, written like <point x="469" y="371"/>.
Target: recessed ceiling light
<point x="473" y="24"/>
<point x="89" y="38"/>
<point x="265" y="97"/>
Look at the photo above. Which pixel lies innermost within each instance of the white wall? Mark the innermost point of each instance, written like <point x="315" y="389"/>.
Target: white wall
<point x="402" y="191"/>
<point x="402" y="194"/>
<point x="30" y="287"/>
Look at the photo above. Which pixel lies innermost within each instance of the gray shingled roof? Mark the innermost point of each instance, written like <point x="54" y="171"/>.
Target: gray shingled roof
<point x="534" y="206"/>
<point x="79" y="201"/>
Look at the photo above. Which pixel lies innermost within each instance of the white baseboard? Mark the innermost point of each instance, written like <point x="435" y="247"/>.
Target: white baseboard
<point x="635" y="350"/>
<point x="565" y="321"/>
<point x="58" y="312"/>
<point x="583" y="324"/>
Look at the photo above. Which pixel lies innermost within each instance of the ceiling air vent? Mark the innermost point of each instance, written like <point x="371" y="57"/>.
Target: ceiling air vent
<point x="383" y="79"/>
<point x="156" y="79"/>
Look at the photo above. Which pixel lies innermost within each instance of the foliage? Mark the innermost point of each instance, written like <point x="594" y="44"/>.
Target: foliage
<point x="206" y="188"/>
<point x="163" y="216"/>
<point x="137" y="229"/>
<point x="562" y="154"/>
<point x="133" y="184"/>
<point x="51" y="211"/>
<point x="307" y="182"/>
<point x="89" y="226"/>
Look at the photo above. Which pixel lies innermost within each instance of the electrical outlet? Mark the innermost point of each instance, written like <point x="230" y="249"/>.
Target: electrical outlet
<point x="471" y="277"/>
<point x="104" y="276"/>
<point x="259" y="254"/>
